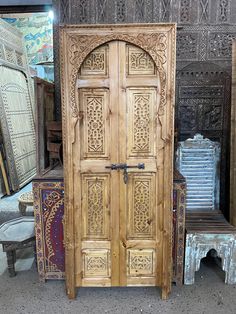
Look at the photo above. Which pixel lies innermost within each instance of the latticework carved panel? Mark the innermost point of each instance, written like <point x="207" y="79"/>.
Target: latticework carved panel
<point x="141" y="116"/>
<point x="187" y="46"/>
<point x="10" y="55"/>
<point x="203" y="96"/>
<point x="141" y="207"/>
<point x="96" y="63"/>
<point x="185" y="11"/>
<point x="102" y="11"/>
<point x="220" y="45"/>
<point x="165" y="10"/>
<point x="120" y="11"/>
<point x="141" y="262"/>
<point x="96" y="263"/>
<point x="94" y="108"/>
<point x="19" y="59"/>
<point x="139" y="62"/>
<point x="223" y="11"/>
<point x="95" y="208"/>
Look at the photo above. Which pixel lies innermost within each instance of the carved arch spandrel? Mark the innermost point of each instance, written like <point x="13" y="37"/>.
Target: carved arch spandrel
<point x="154" y="44"/>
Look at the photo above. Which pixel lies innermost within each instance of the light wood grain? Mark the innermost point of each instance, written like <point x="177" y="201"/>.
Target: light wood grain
<point x="118" y="109"/>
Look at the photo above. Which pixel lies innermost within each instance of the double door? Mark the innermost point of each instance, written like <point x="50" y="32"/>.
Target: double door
<point x="119" y="92"/>
<point x="117" y="190"/>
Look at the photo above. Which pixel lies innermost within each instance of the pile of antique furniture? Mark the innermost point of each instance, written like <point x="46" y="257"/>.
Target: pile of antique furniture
<point x="206" y="227"/>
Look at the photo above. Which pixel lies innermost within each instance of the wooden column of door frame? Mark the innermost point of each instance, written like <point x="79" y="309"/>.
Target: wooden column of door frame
<point x="68" y="122"/>
<point x="74" y="40"/>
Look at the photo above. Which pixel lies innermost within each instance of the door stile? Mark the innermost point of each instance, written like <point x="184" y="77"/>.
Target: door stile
<point x="115" y="193"/>
<point x="122" y="159"/>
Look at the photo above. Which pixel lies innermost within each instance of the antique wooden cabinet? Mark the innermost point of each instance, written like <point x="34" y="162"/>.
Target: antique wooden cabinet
<point x="49" y="210"/>
<point x="117" y="104"/>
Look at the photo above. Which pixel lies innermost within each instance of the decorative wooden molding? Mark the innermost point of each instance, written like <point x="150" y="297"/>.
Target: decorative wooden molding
<point x="80" y="45"/>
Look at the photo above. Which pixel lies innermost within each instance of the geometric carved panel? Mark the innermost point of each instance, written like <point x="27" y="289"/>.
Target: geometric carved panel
<point x="141" y="206"/>
<point x="203" y="106"/>
<point x="141" y="108"/>
<point x="139" y="62"/>
<point x="96" y="63"/>
<point x="96" y="195"/>
<point x="96" y="263"/>
<point x="141" y="262"/>
<point x="95" y="129"/>
<point x="204" y="114"/>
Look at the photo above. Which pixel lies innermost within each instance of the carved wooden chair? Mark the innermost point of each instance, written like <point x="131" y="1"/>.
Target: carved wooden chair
<point x="206" y="227"/>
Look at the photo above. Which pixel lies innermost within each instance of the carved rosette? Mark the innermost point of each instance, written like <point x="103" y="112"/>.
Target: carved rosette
<point x="154" y="44"/>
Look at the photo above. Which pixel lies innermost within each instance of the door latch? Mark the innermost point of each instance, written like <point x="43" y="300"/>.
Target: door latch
<point x="124" y="167"/>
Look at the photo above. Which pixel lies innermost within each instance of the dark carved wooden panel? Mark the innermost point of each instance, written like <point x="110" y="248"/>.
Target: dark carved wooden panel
<point x="203" y="106"/>
<point x="205" y="32"/>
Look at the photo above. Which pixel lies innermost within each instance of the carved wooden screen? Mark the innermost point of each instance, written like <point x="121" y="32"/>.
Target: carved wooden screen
<point x="203" y="106"/>
<point x="16" y="114"/>
<point x="118" y="90"/>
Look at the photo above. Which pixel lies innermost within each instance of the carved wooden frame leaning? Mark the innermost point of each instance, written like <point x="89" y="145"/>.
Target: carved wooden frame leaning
<point x="76" y="42"/>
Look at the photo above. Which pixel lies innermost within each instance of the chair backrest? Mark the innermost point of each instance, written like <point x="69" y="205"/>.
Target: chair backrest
<point x="198" y="161"/>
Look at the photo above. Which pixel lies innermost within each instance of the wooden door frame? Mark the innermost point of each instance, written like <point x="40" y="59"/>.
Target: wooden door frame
<point x="76" y="42"/>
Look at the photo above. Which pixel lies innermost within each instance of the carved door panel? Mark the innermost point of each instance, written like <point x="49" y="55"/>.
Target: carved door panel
<point x="118" y="126"/>
<point x="139" y="226"/>
<point x="118" y="104"/>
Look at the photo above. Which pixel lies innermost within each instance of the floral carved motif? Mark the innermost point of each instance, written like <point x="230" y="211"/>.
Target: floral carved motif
<point x="81" y="45"/>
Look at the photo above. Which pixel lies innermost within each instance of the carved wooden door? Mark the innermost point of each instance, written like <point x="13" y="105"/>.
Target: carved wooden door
<point x="121" y="228"/>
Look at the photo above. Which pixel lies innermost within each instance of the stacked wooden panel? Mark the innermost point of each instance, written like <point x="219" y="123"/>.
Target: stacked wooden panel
<point x="16" y="113"/>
